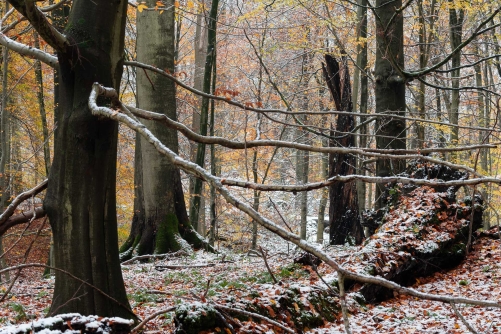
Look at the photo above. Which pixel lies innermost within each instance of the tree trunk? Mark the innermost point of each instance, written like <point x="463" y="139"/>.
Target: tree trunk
<point x="204" y="110"/>
<point x="164" y="225"/>
<point x="80" y="200"/>
<point x="364" y="94"/>
<point x="138" y="220"/>
<point x="200" y="48"/>
<point x="343" y="208"/>
<point x="390" y="88"/>
<point x="4" y="145"/>
<point x="41" y="105"/>
<point x="456" y="19"/>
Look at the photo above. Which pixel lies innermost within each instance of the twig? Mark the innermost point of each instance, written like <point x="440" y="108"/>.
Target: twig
<point x="153" y="256"/>
<point x="265" y="254"/>
<point x="280" y="214"/>
<point x="206" y="290"/>
<point x="163" y="267"/>
<point x="342" y="298"/>
<point x="26" y="253"/>
<point x="253" y="315"/>
<point x="314" y="267"/>
<point x="225" y="322"/>
<point x="460" y="316"/>
<point x="151" y="316"/>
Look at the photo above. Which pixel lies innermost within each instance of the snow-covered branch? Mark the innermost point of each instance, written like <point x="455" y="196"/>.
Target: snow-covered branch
<point x="349" y="178"/>
<point x="39" y="21"/>
<point x="370" y="152"/>
<point x="196" y="170"/>
<point x="29" y="51"/>
<point x="20" y="198"/>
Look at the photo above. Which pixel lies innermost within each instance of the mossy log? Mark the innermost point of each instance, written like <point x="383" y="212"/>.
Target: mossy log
<point x="421" y="230"/>
<point x="296" y="307"/>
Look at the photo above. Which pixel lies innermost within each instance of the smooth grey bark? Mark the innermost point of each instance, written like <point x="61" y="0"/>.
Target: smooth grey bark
<point x="324" y="194"/>
<point x="456" y="19"/>
<point x="390" y="87"/>
<point x="210" y="62"/>
<point x="200" y="47"/>
<point x="41" y="106"/>
<point x="165" y="225"/>
<point x="303" y="157"/>
<point x="80" y="200"/>
<point x="360" y="84"/>
<point x="4" y="145"/>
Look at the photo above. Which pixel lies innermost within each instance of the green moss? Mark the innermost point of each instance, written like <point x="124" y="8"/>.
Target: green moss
<point x="168" y="237"/>
<point x="130" y="243"/>
<point x="193" y="318"/>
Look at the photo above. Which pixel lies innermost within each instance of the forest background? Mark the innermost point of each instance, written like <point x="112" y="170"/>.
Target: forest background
<point x="267" y="59"/>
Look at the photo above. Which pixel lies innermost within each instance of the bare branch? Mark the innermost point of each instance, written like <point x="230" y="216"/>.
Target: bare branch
<point x="38" y="20"/>
<point x="152" y="316"/>
<point x="28" y="51"/>
<point x="342" y="298"/>
<point x="350" y="178"/>
<point x="286" y="112"/>
<point x="380" y="153"/>
<point x="460" y="316"/>
<point x="21" y="219"/>
<point x="263" y="221"/>
<point x="21" y="198"/>
<point x="253" y="315"/>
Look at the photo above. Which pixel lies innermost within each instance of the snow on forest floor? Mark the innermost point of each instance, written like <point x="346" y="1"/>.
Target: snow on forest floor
<point x="150" y="290"/>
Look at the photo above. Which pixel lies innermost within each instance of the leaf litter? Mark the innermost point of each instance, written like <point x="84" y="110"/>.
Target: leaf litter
<point x="234" y="278"/>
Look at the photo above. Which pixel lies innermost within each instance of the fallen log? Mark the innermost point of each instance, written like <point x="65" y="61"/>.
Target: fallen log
<point x="421" y="230"/>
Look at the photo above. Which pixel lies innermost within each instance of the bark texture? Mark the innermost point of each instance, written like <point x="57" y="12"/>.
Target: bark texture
<point x="80" y="200"/>
<point x="390" y="87"/>
<point x="343" y="208"/>
<point x="164" y="224"/>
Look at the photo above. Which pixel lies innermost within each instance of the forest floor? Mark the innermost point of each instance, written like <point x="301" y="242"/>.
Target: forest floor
<point x="231" y="274"/>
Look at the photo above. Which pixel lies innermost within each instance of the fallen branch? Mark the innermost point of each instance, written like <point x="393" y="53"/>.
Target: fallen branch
<point x="460" y="316"/>
<point x="153" y="256"/>
<point x="350" y="178"/>
<point x="152" y="316"/>
<point x="174" y="266"/>
<point x="253" y="315"/>
<point x="265" y="255"/>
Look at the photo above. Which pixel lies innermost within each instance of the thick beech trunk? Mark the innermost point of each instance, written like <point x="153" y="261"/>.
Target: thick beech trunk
<point x="390" y="87"/>
<point x="164" y="222"/>
<point x="343" y="208"/>
<point x="456" y="19"/>
<point x="80" y="198"/>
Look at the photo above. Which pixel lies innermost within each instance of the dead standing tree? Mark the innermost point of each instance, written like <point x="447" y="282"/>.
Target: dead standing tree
<point x="343" y="208"/>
